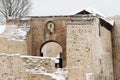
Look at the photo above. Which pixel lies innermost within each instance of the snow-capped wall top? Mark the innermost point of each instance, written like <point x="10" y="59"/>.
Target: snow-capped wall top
<point x="111" y="22"/>
<point x="95" y="13"/>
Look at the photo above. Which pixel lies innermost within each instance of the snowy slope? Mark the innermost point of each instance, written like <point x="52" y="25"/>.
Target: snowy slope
<point x="2" y="28"/>
<point x="14" y="32"/>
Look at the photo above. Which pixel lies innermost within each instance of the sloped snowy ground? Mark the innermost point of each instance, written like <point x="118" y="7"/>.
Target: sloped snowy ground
<point x="14" y="32"/>
<point x="2" y="28"/>
<point x="60" y="74"/>
<point x="20" y="32"/>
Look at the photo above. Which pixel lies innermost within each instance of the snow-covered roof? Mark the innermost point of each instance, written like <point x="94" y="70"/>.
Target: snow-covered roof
<point x="91" y="11"/>
<point x="95" y="13"/>
<point x="107" y="24"/>
<point x="111" y="22"/>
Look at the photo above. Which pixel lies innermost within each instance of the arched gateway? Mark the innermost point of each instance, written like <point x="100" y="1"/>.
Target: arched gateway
<point x="52" y="49"/>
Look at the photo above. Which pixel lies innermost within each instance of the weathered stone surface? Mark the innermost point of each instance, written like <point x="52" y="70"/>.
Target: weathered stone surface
<point x="12" y="67"/>
<point x="79" y="44"/>
<point x="38" y="64"/>
<point x="89" y="46"/>
<point x="17" y="67"/>
<point x="39" y="77"/>
<point x="12" y="46"/>
<point x="79" y="49"/>
<point x="76" y="73"/>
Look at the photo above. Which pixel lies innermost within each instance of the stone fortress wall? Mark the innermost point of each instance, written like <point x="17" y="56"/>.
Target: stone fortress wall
<point x="87" y="50"/>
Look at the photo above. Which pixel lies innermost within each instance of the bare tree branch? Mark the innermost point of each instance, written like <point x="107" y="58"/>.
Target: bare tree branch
<point x="14" y="8"/>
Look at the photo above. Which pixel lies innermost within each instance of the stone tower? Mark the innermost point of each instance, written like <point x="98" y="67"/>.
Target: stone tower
<point x="89" y="49"/>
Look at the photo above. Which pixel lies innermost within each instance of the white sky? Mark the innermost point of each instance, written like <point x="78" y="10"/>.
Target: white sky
<point x="62" y="7"/>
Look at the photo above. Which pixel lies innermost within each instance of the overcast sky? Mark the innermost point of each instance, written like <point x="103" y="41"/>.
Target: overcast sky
<point x="61" y="7"/>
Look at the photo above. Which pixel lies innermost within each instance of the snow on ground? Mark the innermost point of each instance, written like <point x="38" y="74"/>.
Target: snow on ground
<point x="2" y="28"/>
<point x="14" y="32"/>
<point x="60" y="74"/>
<point x="20" y="32"/>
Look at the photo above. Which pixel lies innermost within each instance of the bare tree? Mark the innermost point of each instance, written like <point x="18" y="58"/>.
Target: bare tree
<point x="14" y="8"/>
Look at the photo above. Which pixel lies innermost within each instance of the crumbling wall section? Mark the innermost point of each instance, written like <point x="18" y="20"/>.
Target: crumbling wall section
<point x="17" y="67"/>
<point x="11" y="67"/>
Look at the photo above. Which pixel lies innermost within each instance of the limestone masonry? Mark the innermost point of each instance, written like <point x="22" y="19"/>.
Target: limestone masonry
<point x="83" y="46"/>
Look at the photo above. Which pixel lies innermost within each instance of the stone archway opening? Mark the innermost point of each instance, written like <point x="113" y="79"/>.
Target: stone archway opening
<point x="52" y="49"/>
